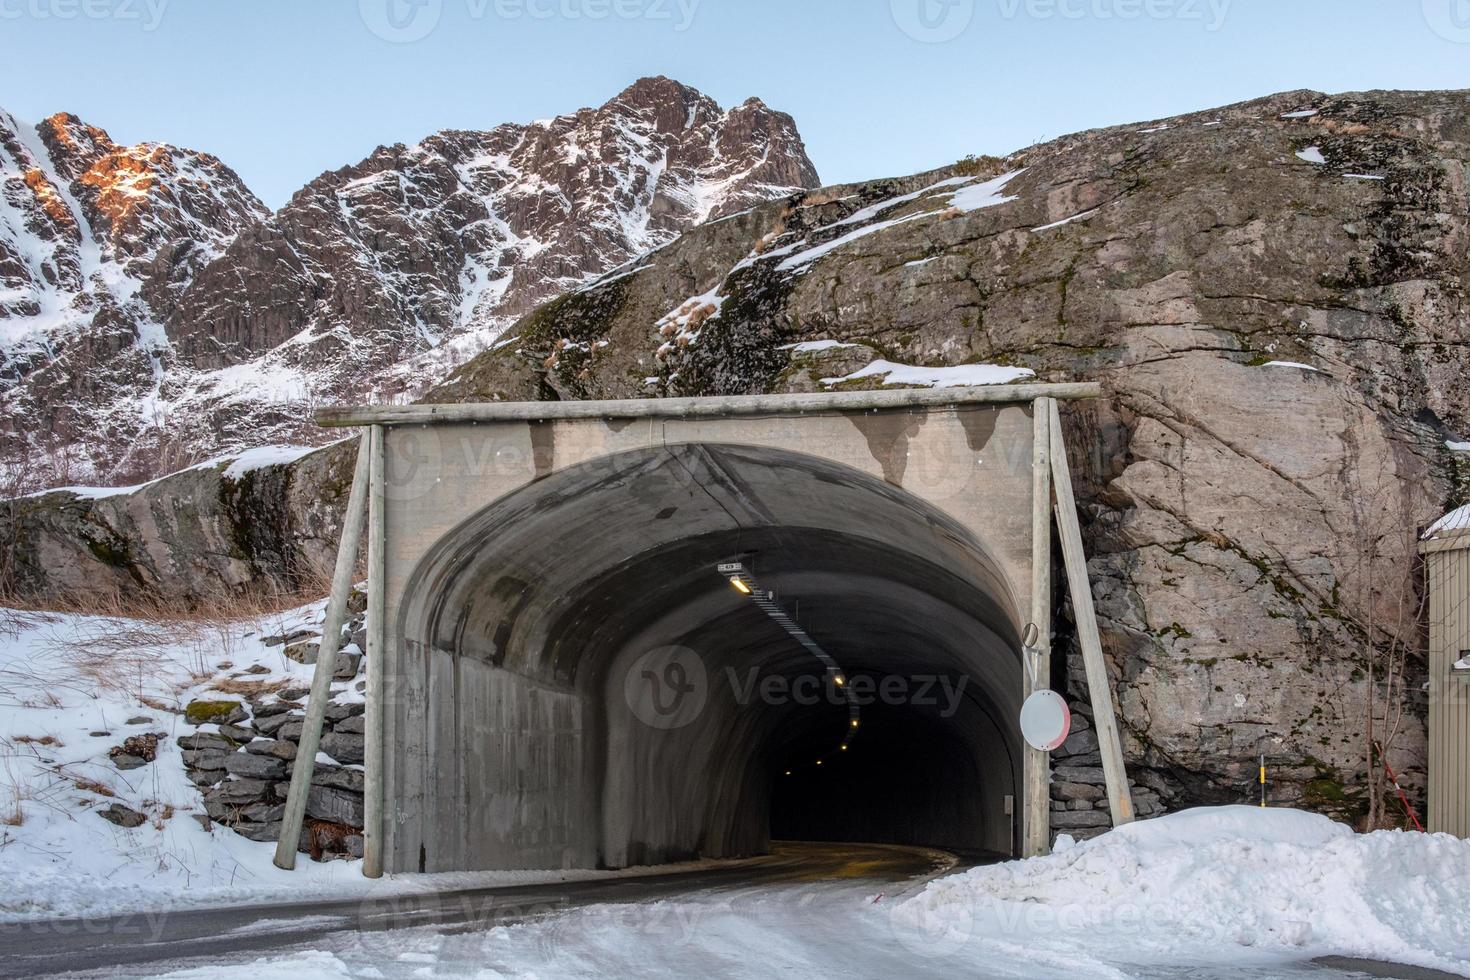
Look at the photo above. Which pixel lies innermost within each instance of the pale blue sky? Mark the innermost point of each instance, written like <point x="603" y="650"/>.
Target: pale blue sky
<point x="284" y="89"/>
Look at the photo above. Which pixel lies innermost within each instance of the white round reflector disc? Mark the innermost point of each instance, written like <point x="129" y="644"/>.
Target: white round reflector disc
<point x="1046" y="721"/>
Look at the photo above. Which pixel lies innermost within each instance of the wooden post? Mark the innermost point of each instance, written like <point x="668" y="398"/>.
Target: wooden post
<point x="1036" y="805"/>
<point x="321" y="680"/>
<point x="373" y="801"/>
<point x="1099" y="690"/>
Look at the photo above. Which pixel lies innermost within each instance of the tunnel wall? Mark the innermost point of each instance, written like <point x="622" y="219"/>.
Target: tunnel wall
<point x="492" y="765"/>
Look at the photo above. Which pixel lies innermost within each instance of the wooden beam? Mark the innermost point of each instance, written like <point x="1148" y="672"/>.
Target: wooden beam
<point x="1104" y="718"/>
<point x="377" y="681"/>
<point x="687" y="408"/>
<point x="321" y="680"/>
<point x="1036" y="824"/>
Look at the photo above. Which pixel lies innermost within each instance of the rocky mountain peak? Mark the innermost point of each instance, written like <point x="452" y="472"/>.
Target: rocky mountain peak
<point x="73" y="145"/>
<point x="179" y="318"/>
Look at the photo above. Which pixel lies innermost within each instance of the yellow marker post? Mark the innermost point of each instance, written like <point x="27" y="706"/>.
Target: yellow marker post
<point x="1263" y="781"/>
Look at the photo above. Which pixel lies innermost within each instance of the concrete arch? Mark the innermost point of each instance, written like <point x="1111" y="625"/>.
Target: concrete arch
<point x="512" y="739"/>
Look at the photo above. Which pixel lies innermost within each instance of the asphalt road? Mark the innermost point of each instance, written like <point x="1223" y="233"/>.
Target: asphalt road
<point x="77" y="946"/>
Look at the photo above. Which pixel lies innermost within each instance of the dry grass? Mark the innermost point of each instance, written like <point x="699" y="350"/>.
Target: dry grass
<point x="119" y="649"/>
<point x="212" y="607"/>
<point x="37" y="740"/>
<point x="92" y="786"/>
<point x="13" y="795"/>
<point x="817" y="198"/>
<point x="249" y="689"/>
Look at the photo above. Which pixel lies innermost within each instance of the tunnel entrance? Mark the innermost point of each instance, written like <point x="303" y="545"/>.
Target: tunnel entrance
<point x="916" y="776"/>
<point x="596" y="694"/>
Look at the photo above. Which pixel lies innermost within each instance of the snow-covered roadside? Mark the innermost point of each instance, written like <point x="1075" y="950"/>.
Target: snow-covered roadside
<point x="1231" y="892"/>
<point x="1209" y="885"/>
<point x="71" y="688"/>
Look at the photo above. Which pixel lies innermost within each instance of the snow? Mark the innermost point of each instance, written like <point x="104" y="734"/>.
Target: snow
<point x="960" y="376"/>
<point x="984" y="195"/>
<point x="1458" y="447"/>
<point x="1207" y="885"/>
<point x="1364" y="176"/>
<point x="64" y="677"/>
<point x="813" y="346"/>
<point x="1454" y="523"/>
<point x="1067" y="221"/>
<point x="256" y="459"/>
<point x="1300" y="114"/>
<point x="803" y="259"/>
<point x="239" y="465"/>
<point x="1155" y="129"/>
<point x="1293" y="364"/>
<point x="1211" y="893"/>
<point x="969" y="197"/>
<point x="1312" y="154"/>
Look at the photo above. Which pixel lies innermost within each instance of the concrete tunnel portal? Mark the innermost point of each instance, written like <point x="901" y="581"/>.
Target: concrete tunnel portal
<point x="602" y="697"/>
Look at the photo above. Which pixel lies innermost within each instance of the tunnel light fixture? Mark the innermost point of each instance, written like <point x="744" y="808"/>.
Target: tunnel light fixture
<point x="738" y="576"/>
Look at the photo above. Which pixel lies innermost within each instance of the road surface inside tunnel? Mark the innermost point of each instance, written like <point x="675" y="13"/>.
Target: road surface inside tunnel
<point x="806" y="910"/>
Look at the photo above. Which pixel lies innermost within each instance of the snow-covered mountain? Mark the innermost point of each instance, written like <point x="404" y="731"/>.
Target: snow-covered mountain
<point x="152" y="310"/>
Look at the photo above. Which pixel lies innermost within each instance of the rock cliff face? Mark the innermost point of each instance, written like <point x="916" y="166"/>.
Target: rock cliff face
<point x="153" y="313"/>
<point x="1273" y="295"/>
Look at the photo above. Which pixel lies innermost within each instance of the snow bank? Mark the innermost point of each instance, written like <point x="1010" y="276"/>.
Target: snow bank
<point x="815" y="346"/>
<point x="959" y="376"/>
<point x="259" y="458"/>
<point x="239" y="465"/>
<point x="1455" y="522"/>
<point x="1293" y="364"/>
<point x="1204" y="883"/>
